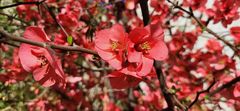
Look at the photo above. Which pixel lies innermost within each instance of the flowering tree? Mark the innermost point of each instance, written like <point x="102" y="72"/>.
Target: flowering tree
<point x="140" y="55"/>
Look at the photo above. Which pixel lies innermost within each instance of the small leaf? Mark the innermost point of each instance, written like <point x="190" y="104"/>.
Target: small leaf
<point x="70" y="40"/>
<point x="204" y="29"/>
<point x="206" y="97"/>
<point x="172" y="91"/>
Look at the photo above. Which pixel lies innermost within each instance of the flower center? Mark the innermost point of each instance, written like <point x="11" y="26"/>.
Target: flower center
<point x="143" y="47"/>
<point x="43" y="60"/>
<point x="114" y="45"/>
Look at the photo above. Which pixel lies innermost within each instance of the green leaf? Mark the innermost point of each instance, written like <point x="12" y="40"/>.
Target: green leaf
<point x="204" y="29"/>
<point x="70" y="40"/>
<point x="206" y="97"/>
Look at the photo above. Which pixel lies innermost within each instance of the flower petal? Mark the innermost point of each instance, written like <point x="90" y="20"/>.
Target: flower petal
<point x="115" y="63"/>
<point x="55" y="64"/>
<point x="117" y="33"/>
<point x="119" y="80"/>
<point x="28" y="61"/>
<point x="146" y="67"/>
<point x="134" y="56"/>
<point x="105" y="55"/>
<point x="102" y="40"/>
<point x="156" y="30"/>
<point x="159" y="51"/>
<point x="36" y="34"/>
<point x="45" y="77"/>
<point x="137" y="34"/>
<point x="236" y="90"/>
<point x="39" y="73"/>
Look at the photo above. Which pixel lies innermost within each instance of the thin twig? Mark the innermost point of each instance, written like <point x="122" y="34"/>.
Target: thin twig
<point x="204" y="27"/>
<point x="43" y="44"/>
<point x="199" y="93"/>
<point x="9" y="43"/>
<point x="227" y="85"/>
<point x="171" y="99"/>
<point x="55" y="19"/>
<point x="12" y="17"/>
<point x="21" y="3"/>
<point x="145" y="11"/>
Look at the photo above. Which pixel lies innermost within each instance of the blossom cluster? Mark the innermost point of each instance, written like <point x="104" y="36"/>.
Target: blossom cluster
<point x="131" y="54"/>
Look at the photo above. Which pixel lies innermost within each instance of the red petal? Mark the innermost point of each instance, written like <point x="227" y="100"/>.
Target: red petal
<point x="146" y="67"/>
<point x="134" y="56"/>
<point x="105" y="55"/>
<point x="235" y="32"/>
<point x="159" y="51"/>
<point x="39" y="73"/>
<point x="117" y="33"/>
<point x="156" y="30"/>
<point x="55" y="63"/>
<point x="102" y="40"/>
<point x="236" y="90"/>
<point x="46" y="77"/>
<point x="137" y="35"/>
<point x="130" y="4"/>
<point x="28" y="61"/>
<point x="36" y="34"/>
<point x="119" y="80"/>
<point x="115" y="63"/>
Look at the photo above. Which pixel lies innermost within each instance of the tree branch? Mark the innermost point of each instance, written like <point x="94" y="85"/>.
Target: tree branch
<point x="204" y="27"/>
<point x="12" y="17"/>
<point x="145" y="12"/>
<point x="55" y="19"/>
<point x="171" y="99"/>
<point x="167" y="95"/>
<point x="22" y="3"/>
<point x="227" y="85"/>
<point x="199" y="93"/>
<point x="43" y="44"/>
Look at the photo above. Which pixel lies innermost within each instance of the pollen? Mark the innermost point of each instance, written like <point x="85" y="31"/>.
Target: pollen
<point x="43" y="60"/>
<point x="114" y="45"/>
<point x="145" y="46"/>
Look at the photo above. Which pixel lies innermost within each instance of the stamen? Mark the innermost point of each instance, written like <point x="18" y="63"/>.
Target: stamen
<point x="114" y="45"/>
<point x="145" y="46"/>
<point x="43" y="60"/>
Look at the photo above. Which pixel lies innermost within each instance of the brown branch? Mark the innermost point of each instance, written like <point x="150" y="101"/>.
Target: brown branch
<point x="167" y="95"/>
<point x="201" y="92"/>
<point x="204" y="27"/>
<point x="43" y="44"/>
<point x="22" y="3"/>
<point x="227" y="85"/>
<point x="55" y="19"/>
<point x="9" y="43"/>
<point x="12" y="17"/>
<point x="145" y="12"/>
<point x="170" y="98"/>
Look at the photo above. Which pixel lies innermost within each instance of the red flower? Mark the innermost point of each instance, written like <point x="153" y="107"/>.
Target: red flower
<point x="130" y="4"/>
<point x="111" y="45"/>
<point x="225" y="11"/>
<point x="146" y="44"/>
<point x="214" y="46"/>
<point x="149" y="42"/>
<point x="46" y="67"/>
<point x="119" y="80"/>
<point x="195" y="4"/>
<point x="138" y="68"/>
<point x="235" y="32"/>
<point x="236" y="90"/>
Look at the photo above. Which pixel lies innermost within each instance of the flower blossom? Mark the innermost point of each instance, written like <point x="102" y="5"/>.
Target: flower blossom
<point x="45" y="66"/>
